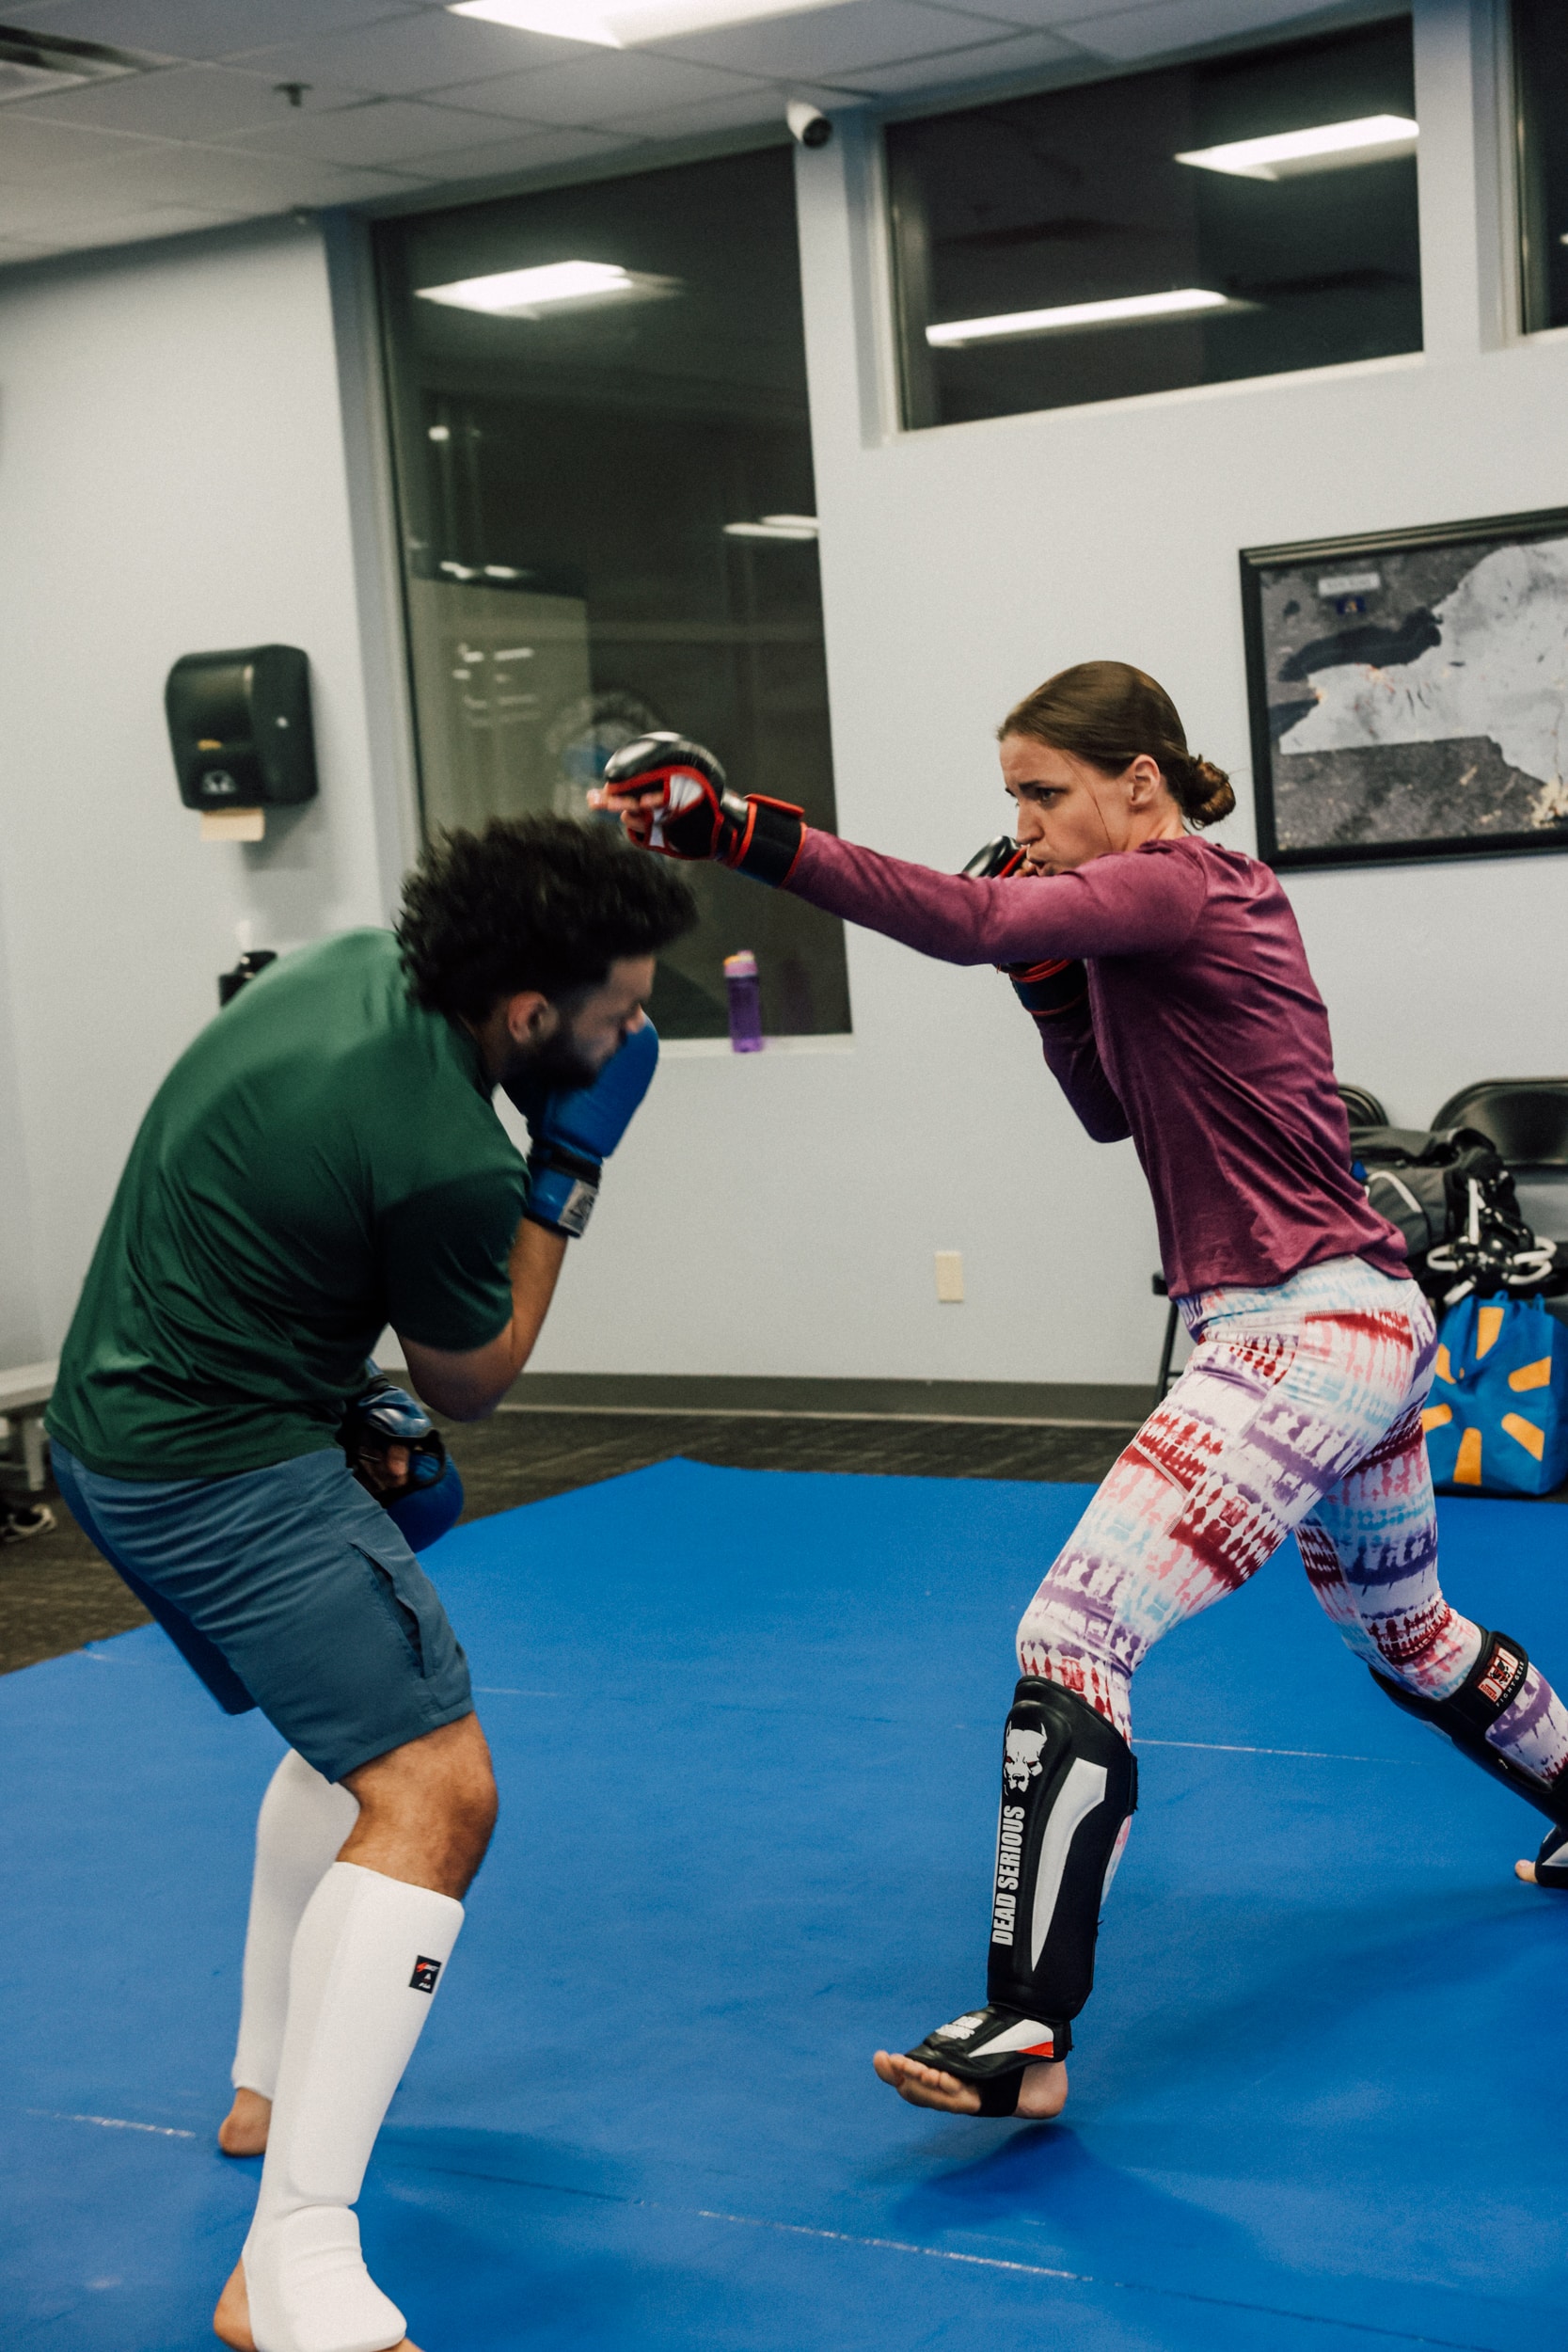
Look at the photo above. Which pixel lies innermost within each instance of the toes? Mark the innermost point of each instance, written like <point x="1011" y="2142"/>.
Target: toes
<point x="1525" y="1870"/>
<point x="925" y="2086"/>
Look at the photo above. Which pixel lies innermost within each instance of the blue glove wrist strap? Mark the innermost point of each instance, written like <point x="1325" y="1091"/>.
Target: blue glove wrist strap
<point x="560" y="1192"/>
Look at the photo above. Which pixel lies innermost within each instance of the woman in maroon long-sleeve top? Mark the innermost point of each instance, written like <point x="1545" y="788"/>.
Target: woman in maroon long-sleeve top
<point x="1168" y="982"/>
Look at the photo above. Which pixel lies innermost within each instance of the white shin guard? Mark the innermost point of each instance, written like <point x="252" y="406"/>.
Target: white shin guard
<point x="303" y="1822"/>
<point x="366" y="1959"/>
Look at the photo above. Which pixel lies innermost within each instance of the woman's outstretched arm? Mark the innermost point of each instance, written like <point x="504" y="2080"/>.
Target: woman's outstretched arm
<point x="1144" y="903"/>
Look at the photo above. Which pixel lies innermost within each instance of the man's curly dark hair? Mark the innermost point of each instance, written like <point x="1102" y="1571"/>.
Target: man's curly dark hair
<point x="532" y="903"/>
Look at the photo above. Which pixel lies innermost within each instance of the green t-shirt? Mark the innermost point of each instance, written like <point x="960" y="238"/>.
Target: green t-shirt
<point x="323" y="1161"/>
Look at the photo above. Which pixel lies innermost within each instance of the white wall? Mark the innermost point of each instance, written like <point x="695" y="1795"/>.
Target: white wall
<point x="172" y="475"/>
<point x="171" y="480"/>
<point x="961" y="566"/>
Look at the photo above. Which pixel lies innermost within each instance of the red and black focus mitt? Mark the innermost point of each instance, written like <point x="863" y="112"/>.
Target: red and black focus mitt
<point x="672" y="796"/>
<point x="1056" y="983"/>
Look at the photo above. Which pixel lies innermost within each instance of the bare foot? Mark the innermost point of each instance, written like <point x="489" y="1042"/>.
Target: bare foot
<point x="244" y="2129"/>
<point x="1525" y="1870"/>
<point x="1041" y="2095"/>
<point x="231" y="2320"/>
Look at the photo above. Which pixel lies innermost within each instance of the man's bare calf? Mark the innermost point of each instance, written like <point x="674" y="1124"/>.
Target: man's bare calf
<point x="426" y="1811"/>
<point x="244" y="2129"/>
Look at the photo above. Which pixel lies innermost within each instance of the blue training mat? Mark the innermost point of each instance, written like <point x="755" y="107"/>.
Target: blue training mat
<point x="747" y="1731"/>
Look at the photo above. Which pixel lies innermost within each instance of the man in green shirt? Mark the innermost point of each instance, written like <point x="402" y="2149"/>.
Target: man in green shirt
<point x="325" y="1160"/>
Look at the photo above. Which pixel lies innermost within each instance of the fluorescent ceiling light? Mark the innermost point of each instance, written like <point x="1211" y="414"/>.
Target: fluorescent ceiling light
<point x="775" y="527"/>
<point x="1124" y="311"/>
<point x="1371" y="139"/>
<point x="618" y="23"/>
<point x="526" y="294"/>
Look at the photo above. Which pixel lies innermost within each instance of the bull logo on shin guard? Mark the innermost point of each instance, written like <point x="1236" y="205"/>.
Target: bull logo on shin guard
<point x="1021" y="1760"/>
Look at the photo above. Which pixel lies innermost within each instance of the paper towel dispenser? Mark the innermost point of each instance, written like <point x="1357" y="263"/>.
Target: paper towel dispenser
<point x="240" y="726"/>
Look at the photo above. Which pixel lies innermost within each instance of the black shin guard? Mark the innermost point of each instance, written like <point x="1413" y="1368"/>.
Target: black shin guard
<point x="1069" y="1788"/>
<point x="1491" y="1687"/>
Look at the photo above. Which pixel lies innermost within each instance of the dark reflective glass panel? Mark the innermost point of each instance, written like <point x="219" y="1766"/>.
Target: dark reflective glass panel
<point x="1253" y="262"/>
<point x="608" y="513"/>
<point x="1541" y="97"/>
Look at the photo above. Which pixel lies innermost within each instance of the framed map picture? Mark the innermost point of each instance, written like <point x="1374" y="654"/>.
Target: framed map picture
<point x="1409" y="692"/>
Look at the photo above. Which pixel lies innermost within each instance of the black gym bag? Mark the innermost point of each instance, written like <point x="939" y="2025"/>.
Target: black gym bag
<point x="1450" y="1195"/>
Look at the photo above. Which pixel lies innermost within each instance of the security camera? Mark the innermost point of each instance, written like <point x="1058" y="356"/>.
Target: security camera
<point x="807" y="127"/>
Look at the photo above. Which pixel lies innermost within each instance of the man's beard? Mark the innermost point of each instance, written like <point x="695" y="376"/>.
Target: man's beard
<point x="533" y="1071"/>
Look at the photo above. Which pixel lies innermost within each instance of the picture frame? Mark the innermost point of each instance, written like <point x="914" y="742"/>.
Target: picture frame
<point x="1408" y="693"/>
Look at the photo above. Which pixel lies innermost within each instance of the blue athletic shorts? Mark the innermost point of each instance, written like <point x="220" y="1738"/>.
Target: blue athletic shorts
<point x="288" y="1589"/>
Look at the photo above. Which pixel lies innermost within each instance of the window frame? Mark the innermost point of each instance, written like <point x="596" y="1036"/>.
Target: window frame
<point x="1515" y="196"/>
<point x="1096" y="72"/>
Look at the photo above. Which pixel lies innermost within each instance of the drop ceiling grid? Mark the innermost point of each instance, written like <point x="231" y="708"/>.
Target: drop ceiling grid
<point x="403" y="95"/>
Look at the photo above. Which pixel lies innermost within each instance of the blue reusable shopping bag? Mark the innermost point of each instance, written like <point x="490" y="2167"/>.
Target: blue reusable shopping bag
<point x="1497" y="1421"/>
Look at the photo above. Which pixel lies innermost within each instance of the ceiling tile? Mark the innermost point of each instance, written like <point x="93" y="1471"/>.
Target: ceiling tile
<point x="115" y="227"/>
<point x="764" y="102"/>
<point x="227" y="179"/>
<point x="1042" y="15"/>
<point x="52" y="208"/>
<point x="820" y="46"/>
<point x="533" y="151"/>
<point x="382" y="130"/>
<point x="412" y="56"/>
<point x="992" y="60"/>
<point x="184" y="101"/>
<point x="202" y="28"/>
<point x="599" y="85"/>
<point x="1149" y="32"/>
<point x="14" y="249"/>
<point x="29" y="149"/>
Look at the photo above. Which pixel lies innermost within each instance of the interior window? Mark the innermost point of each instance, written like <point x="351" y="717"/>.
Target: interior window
<point x="609" y="525"/>
<point x="1236" y="216"/>
<point x="1541" y="116"/>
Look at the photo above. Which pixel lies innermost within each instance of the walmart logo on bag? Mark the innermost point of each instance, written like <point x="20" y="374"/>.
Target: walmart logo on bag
<point x="1497" y="1420"/>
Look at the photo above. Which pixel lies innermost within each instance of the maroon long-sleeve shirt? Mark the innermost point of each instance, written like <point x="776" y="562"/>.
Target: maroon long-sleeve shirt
<point x="1202" y="1036"/>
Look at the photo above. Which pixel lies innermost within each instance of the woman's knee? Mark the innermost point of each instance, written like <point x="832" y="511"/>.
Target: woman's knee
<point x="1045" y="1622"/>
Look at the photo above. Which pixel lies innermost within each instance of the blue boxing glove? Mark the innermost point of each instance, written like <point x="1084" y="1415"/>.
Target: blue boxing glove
<point x="575" y="1129"/>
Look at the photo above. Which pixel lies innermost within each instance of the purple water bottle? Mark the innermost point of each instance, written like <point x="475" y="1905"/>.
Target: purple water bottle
<point x="740" y="984"/>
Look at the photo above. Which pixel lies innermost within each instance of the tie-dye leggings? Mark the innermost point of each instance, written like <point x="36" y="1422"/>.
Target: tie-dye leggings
<point x="1300" y="1408"/>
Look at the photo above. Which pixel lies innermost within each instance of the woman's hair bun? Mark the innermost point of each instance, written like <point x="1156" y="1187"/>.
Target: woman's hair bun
<point x="1205" y="793"/>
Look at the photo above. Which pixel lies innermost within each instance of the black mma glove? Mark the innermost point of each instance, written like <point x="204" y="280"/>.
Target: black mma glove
<point x="671" y="796"/>
<point x="1056" y="983"/>
<point x="381" y="1418"/>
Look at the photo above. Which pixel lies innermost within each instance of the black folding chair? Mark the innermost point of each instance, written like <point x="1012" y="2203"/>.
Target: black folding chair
<point x="1527" y="1121"/>
<point x="1526" y="1118"/>
<point x="1365" y="1109"/>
